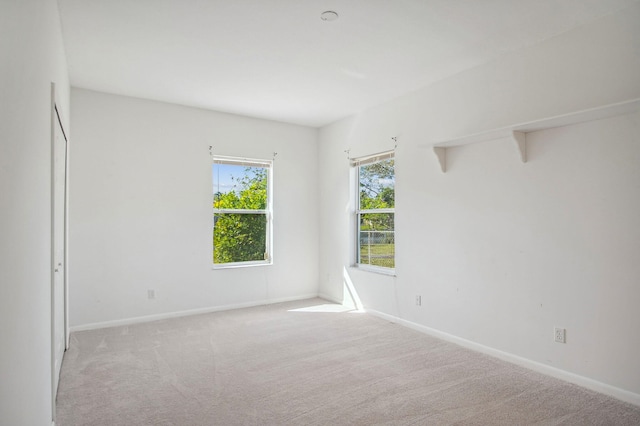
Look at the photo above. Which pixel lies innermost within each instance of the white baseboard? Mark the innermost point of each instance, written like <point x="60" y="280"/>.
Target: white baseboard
<point x="156" y="317"/>
<point x="621" y="394"/>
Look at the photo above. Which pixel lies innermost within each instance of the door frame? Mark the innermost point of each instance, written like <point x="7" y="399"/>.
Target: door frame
<point x="57" y="119"/>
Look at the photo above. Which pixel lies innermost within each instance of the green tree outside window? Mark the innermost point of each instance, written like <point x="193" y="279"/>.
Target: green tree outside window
<point x="376" y="214"/>
<point x="240" y="204"/>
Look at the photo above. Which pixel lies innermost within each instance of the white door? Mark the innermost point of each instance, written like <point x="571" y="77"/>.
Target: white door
<point x="58" y="302"/>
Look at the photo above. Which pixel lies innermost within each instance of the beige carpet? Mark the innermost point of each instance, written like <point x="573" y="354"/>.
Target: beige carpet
<point x="278" y="365"/>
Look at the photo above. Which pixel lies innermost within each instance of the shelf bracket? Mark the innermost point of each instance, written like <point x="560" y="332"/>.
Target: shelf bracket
<point x="520" y="139"/>
<point x="441" y="154"/>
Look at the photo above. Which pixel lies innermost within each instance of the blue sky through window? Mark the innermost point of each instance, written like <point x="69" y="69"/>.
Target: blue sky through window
<point x="224" y="174"/>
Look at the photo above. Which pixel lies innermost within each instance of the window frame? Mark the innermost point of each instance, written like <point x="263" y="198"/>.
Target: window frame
<point x="268" y="211"/>
<point x="356" y="164"/>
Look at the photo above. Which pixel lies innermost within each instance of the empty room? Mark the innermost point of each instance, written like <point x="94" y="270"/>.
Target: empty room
<point x="296" y="212"/>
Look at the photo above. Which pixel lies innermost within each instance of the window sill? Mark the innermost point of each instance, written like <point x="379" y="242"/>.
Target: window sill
<point x="375" y="269"/>
<point x="242" y="265"/>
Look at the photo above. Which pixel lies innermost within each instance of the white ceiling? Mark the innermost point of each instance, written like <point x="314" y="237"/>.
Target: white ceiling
<point x="276" y="59"/>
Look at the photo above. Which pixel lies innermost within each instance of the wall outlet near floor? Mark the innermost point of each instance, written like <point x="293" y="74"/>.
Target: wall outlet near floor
<point x="560" y="335"/>
<point x="151" y="294"/>
<point x="418" y="300"/>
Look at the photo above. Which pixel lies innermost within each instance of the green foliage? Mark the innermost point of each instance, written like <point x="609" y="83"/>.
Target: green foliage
<point x="251" y="191"/>
<point x="376" y="222"/>
<point x="377" y="185"/>
<point x="377" y="191"/>
<point x="241" y="237"/>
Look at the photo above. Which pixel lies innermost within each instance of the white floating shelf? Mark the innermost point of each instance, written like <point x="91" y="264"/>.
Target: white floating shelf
<point x="518" y="132"/>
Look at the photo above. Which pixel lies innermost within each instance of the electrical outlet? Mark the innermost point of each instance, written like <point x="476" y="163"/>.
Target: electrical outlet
<point x="560" y="335"/>
<point x="418" y="300"/>
<point x="151" y="294"/>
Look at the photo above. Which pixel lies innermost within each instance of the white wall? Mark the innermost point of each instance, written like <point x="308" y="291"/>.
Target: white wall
<point x="502" y="251"/>
<point x="141" y="213"/>
<point x="32" y="57"/>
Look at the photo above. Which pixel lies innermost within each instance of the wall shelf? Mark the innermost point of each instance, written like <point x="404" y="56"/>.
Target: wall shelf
<point x="518" y="132"/>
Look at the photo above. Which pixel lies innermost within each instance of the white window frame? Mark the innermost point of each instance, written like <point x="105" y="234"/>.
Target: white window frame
<point x="249" y="162"/>
<point x="356" y="163"/>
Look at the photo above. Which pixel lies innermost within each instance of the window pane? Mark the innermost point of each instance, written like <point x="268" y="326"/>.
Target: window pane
<point x="377" y="185"/>
<point x="239" y="187"/>
<point x="377" y="239"/>
<point x="239" y="237"/>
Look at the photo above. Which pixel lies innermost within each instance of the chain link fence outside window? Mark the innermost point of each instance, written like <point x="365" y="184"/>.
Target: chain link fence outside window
<point x="377" y="248"/>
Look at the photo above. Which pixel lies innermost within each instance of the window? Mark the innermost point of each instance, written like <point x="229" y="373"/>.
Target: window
<point x="375" y="211"/>
<point x="241" y="212"/>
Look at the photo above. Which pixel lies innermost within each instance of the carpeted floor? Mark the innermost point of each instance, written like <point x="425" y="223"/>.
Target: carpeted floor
<point x="286" y="365"/>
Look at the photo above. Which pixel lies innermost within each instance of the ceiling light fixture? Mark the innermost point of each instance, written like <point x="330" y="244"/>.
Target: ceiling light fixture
<point x="329" y="16"/>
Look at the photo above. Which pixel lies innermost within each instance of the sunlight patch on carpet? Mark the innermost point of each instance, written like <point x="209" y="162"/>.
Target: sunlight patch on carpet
<point x="327" y="307"/>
